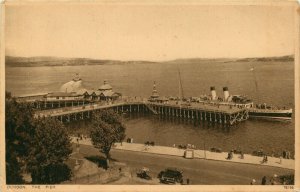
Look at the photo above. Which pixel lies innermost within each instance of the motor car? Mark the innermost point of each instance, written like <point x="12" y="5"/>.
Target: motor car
<point x="171" y="176"/>
<point x="144" y="173"/>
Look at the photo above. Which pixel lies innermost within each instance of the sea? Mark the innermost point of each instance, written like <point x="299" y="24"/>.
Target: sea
<point x="264" y="82"/>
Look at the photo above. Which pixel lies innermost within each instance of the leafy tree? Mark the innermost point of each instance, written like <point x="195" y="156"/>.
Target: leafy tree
<point x="19" y="130"/>
<point x="40" y="145"/>
<point x="106" y="129"/>
<point x="13" y="169"/>
<point x="51" y="146"/>
<point x="8" y="95"/>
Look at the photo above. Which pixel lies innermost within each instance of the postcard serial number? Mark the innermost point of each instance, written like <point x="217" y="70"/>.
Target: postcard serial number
<point x="288" y="187"/>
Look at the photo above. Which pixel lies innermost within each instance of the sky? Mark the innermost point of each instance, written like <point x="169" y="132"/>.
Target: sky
<point x="149" y="31"/>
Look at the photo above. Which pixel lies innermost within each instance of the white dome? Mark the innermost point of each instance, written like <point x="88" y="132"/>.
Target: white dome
<point x="71" y="86"/>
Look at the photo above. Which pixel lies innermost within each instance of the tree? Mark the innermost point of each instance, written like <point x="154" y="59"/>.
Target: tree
<point x="19" y="130"/>
<point x="40" y="145"/>
<point x="107" y="129"/>
<point x="13" y="169"/>
<point x="51" y="146"/>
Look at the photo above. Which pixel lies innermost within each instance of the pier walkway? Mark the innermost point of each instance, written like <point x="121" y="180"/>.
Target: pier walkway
<point x="200" y="154"/>
<point x="221" y="114"/>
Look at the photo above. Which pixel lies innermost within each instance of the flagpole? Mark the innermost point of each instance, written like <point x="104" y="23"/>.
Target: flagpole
<point x="256" y="84"/>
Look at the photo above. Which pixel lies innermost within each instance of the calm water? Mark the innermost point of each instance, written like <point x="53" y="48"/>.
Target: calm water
<point x="275" y="86"/>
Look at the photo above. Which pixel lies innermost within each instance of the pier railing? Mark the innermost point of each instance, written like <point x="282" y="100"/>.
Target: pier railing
<point x="198" y="111"/>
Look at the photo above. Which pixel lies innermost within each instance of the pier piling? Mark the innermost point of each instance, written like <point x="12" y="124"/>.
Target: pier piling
<point x="211" y="114"/>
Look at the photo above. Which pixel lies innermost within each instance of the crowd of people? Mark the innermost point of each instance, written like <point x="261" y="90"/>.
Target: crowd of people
<point x="230" y="154"/>
<point x="188" y="146"/>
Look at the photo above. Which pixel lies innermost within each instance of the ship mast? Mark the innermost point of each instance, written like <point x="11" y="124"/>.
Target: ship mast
<point x="180" y="89"/>
<point x="256" y="84"/>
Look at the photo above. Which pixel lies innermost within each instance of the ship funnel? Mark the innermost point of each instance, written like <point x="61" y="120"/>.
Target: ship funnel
<point x="226" y="93"/>
<point x="213" y="93"/>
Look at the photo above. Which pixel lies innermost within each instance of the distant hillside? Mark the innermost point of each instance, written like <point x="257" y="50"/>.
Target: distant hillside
<point x="225" y="60"/>
<point x="283" y="58"/>
<point x="201" y="60"/>
<point x="59" y="61"/>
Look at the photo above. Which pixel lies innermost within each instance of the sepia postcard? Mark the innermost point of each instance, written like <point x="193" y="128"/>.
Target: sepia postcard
<point x="149" y="95"/>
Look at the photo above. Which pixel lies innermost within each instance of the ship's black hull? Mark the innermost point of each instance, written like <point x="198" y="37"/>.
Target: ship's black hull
<point x="270" y="115"/>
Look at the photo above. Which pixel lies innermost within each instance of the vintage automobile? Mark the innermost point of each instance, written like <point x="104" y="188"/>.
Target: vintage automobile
<point x="144" y="174"/>
<point x="170" y="176"/>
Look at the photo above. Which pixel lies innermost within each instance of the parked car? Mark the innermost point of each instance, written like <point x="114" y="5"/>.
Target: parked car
<point x="170" y="176"/>
<point x="144" y="174"/>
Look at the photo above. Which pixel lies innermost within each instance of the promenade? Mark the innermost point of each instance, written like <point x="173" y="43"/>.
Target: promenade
<point x="198" y="154"/>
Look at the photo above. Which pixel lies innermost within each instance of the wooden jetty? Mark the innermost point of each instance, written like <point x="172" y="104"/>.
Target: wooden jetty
<point x="225" y="115"/>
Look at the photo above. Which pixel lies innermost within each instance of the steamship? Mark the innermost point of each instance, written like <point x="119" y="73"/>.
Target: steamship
<point x="256" y="111"/>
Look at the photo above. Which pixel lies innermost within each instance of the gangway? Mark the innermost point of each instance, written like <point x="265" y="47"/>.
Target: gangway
<point x="150" y="108"/>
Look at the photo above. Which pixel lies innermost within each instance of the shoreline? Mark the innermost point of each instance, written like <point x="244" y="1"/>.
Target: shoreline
<point x="197" y="154"/>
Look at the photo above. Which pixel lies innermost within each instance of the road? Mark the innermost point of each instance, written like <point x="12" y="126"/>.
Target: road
<point x="199" y="171"/>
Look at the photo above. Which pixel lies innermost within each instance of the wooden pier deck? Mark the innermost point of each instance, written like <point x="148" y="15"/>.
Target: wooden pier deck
<point x="198" y="111"/>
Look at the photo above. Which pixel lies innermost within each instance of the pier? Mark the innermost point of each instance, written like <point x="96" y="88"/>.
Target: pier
<point x="44" y="104"/>
<point x="217" y="114"/>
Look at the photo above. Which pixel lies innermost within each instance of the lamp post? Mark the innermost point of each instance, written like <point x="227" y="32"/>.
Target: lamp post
<point x="204" y="148"/>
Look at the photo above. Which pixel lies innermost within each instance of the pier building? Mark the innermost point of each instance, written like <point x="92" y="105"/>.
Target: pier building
<point x="72" y="86"/>
<point x="63" y="96"/>
<point x="31" y="97"/>
<point x="155" y="94"/>
<point x="71" y="94"/>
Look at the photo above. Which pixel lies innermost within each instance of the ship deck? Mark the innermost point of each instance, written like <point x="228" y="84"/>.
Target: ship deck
<point x="205" y="107"/>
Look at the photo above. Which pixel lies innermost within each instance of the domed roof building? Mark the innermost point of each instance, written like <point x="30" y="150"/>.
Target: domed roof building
<point x="105" y="92"/>
<point x="72" y="86"/>
<point x="75" y="90"/>
<point x="154" y="92"/>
